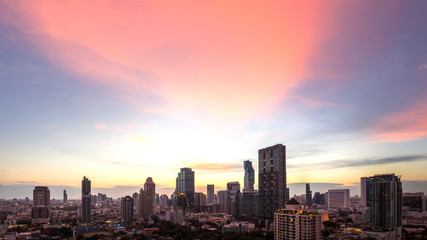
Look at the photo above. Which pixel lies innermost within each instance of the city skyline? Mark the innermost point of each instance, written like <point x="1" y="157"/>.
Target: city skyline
<point x="204" y="86"/>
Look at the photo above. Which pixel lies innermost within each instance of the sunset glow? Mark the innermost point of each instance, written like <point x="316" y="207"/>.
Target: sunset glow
<point x="122" y="91"/>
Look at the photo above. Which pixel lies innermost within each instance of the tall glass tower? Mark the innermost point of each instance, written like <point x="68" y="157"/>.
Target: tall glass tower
<point x="249" y="176"/>
<point x="185" y="184"/>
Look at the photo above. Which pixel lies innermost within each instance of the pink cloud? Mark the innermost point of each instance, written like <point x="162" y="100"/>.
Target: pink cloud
<point x="403" y="126"/>
<point x="100" y="126"/>
<point x="223" y="61"/>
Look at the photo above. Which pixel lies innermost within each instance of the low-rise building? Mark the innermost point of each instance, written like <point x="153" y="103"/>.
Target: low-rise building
<point x="296" y="223"/>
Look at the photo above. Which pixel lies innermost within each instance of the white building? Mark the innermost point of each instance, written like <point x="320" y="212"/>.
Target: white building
<point x="338" y="198"/>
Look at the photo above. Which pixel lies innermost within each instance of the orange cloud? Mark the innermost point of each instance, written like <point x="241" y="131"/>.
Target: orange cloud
<point x="221" y="60"/>
<point x="404" y="126"/>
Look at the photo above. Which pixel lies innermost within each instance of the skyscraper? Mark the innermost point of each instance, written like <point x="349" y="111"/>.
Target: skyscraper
<point x="86" y="199"/>
<point x="147" y="198"/>
<point x="307" y="195"/>
<point x="249" y="176"/>
<point x="363" y="191"/>
<point x="185" y="184"/>
<point x="40" y="212"/>
<point x="65" y="196"/>
<point x="210" y="199"/>
<point x="223" y="200"/>
<point x="384" y="202"/>
<point x="273" y="193"/>
<point x="127" y="208"/>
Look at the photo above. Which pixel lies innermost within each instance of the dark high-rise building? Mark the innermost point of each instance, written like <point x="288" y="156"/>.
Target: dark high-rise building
<point x="147" y="198"/>
<point x="249" y="176"/>
<point x="384" y="202"/>
<point x="319" y="198"/>
<point x="127" y="208"/>
<point x="64" y="199"/>
<point x="40" y="212"/>
<point x="249" y="203"/>
<point x="273" y="193"/>
<point x="210" y="199"/>
<point x="185" y="184"/>
<point x="415" y="201"/>
<point x="86" y="199"/>
<point x="307" y="195"/>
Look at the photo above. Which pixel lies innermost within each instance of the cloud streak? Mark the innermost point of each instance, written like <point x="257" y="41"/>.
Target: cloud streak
<point x="100" y="126"/>
<point x="216" y="167"/>
<point x="407" y="125"/>
<point x="335" y="164"/>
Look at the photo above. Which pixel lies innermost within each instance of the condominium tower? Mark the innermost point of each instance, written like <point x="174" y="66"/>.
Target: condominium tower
<point x="127" y="208"/>
<point x="273" y="192"/>
<point x="384" y="202"/>
<point x="40" y="211"/>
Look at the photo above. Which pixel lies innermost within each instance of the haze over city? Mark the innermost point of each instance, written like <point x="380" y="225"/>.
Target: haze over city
<point x="122" y="92"/>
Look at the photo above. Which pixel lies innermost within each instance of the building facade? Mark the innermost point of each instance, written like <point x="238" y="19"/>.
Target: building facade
<point x="273" y="191"/>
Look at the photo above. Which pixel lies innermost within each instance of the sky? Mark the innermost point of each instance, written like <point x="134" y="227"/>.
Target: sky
<point x="122" y="91"/>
